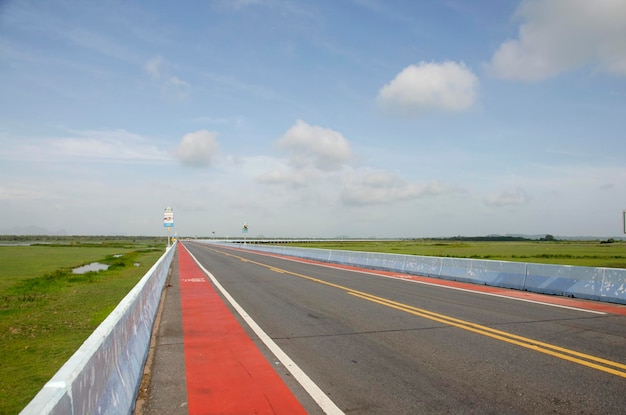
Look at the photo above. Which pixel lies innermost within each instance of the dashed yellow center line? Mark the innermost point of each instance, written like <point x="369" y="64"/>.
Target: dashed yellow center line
<point x="598" y="363"/>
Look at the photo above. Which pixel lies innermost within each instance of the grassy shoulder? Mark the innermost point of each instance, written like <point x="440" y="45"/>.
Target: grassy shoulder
<point x="47" y="312"/>
<point x="580" y="253"/>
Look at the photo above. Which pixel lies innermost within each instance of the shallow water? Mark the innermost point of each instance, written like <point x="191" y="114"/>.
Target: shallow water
<point x="94" y="266"/>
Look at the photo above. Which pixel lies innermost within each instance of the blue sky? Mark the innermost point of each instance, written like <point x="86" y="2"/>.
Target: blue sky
<point x="314" y="118"/>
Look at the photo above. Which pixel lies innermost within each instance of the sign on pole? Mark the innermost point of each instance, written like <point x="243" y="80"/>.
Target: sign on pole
<point x="244" y="230"/>
<point x="168" y="217"/>
<point x="168" y="222"/>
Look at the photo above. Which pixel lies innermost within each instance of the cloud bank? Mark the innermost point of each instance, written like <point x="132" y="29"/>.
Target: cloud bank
<point x="88" y="146"/>
<point x="507" y="198"/>
<point x="382" y="187"/>
<point x="560" y="35"/>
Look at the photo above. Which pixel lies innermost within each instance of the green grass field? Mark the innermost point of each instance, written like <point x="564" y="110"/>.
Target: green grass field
<point x="581" y="253"/>
<point x="46" y="312"/>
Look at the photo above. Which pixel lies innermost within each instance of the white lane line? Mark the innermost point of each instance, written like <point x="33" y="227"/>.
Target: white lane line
<point x="312" y="389"/>
<point x="505" y="296"/>
<point x="409" y="279"/>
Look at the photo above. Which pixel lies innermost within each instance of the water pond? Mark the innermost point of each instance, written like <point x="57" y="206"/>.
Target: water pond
<point x="94" y="266"/>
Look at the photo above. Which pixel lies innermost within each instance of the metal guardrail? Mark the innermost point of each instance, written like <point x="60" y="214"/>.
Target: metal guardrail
<point x="600" y="284"/>
<point x="103" y="376"/>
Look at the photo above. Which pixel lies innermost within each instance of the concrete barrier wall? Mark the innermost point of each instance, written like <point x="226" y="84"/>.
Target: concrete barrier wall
<point x="103" y="376"/>
<point x="602" y="284"/>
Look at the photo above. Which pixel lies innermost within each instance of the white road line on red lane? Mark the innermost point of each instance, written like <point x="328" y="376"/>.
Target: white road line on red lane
<point x="324" y="402"/>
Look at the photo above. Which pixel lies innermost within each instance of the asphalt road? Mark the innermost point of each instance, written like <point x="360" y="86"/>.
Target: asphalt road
<point x="378" y="345"/>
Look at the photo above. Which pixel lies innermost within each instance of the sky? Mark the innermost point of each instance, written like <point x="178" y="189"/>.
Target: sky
<point x="313" y="119"/>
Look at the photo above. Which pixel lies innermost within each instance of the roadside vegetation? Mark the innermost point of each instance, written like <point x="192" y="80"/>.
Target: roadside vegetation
<point x="47" y="312"/>
<point x="600" y="253"/>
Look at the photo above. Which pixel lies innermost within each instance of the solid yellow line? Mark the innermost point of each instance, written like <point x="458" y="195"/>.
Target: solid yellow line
<point x="538" y="346"/>
<point x="525" y="342"/>
<point x="503" y="333"/>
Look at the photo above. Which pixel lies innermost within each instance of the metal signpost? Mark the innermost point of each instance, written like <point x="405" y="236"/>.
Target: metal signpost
<point x="168" y="222"/>
<point x="244" y="230"/>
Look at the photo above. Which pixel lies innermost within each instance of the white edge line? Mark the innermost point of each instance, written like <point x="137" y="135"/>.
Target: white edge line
<point x="506" y="297"/>
<point x="441" y="286"/>
<point x="324" y="402"/>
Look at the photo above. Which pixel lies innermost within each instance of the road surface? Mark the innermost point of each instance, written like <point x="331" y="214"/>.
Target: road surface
<point x="379" y="345"/>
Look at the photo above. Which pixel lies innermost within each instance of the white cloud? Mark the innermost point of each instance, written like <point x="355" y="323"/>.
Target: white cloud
<point x="17" y="191"/>
<point x="160" y="72"/>
<point x="198" y="149"/>
<point x="85" y="146"/>
<point x="177" y="82"/>
<point x="244" y="3"/>
<point x="381" y="187"/>
<point x="108" y="145"/>
<point x="447" y="86"/>
<point x="313" y="146"/>
<point x="507" y="198"/>
<point x="298" y="178"/>
<point x="559" y="35"/>
<point x="153" y="67"/>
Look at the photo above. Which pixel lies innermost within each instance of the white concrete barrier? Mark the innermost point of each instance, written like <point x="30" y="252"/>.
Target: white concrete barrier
<point x="103" y="376"/>
<point x="600" y="284"/>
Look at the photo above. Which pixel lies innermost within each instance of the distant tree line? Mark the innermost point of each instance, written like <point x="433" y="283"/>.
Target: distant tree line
<point x="494" y="238"/>
<point x="77" y="238"/>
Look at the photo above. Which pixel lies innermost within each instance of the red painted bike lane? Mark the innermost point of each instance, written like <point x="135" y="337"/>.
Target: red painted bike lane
<point x="226" y="372"/>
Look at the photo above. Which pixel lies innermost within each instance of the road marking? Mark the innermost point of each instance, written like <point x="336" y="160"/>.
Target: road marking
<point x="225" y="371"/>
<point x="594" y="362"/>
<point x="508" y="297"/>
<point x="417" y="280"/>
<point x="546" y="348"/>
<point x="324" y="402"/>
<point x="446" y="284"/>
